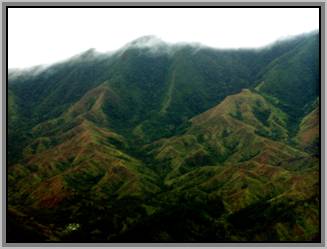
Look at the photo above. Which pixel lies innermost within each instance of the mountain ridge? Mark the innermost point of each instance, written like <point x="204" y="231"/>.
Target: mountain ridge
<point x="107" y="147"/>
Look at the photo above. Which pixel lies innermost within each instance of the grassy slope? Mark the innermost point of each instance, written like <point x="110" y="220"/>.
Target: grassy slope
<point x="213" y="162"/>
<point x="85" y="156"/>
<point x="205" y="178"/>
<point x="241" y="127"/>
<point x="293" y="78"/>
<point x="223" y="154"/>
<point x="308" y="134"/>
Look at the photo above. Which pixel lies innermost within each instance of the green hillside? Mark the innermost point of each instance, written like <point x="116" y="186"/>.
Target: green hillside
<point x="167" y="143"/>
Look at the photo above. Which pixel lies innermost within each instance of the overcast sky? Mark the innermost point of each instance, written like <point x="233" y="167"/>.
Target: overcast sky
<point x="46" y="35"/>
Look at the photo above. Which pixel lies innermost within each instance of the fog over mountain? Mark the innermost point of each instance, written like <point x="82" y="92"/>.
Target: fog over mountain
<point x="162" y="142"/>
<point x="156" y="44"/>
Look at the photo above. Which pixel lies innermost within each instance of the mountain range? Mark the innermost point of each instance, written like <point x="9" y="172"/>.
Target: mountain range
<point x="162" y="142"/>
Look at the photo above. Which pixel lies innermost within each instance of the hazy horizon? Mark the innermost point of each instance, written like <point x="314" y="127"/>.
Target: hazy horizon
<point x="168" y="43"/>
<point x="53" y="40"/>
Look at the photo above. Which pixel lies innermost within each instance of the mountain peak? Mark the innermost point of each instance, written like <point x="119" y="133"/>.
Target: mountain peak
<point x="147" y="41"/>
<point x="90" y="53"/>
<point x="151" y="44"/>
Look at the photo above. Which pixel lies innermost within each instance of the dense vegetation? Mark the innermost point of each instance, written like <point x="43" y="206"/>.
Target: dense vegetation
<point x="172" y="143"/>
